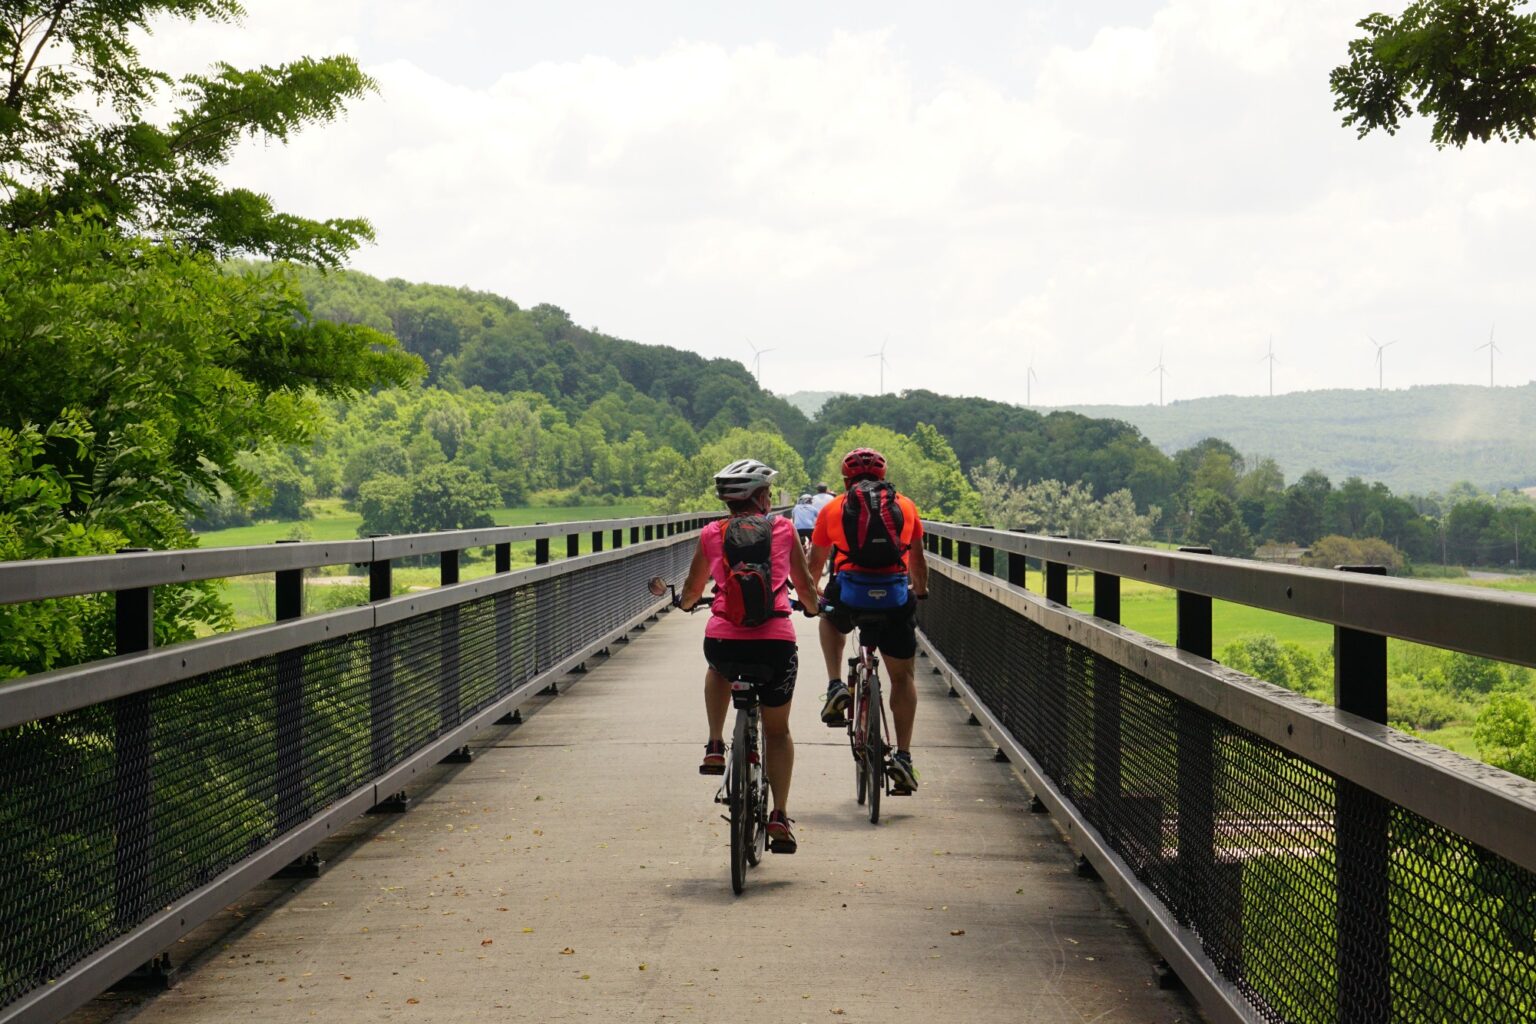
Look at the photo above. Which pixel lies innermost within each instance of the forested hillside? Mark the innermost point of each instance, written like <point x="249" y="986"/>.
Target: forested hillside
<point x="478" y="339"/>
<point x="1414" y="440"/>
<point x="1106" y="454"/>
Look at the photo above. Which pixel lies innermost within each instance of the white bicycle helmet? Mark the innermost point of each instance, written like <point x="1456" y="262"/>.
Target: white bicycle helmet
<point x="742" y="479"/>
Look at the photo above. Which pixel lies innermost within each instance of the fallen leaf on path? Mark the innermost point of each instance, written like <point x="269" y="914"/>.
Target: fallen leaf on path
<point x="486" y="942"/>
<point x="527" y="931"/>
<point x="567" y="951"/>
<point x="643" y="966"/>
<point x="958" y="931"/>
<point x="413" y="1001"/>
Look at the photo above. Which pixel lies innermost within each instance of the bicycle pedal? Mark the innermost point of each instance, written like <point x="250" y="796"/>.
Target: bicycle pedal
<point x="898" y="791"/>
<point x="836" y="723"/>
<point x="711" y="769"/>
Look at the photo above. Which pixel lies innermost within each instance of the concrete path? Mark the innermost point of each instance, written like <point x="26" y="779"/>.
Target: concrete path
<point x="577" y="871"/>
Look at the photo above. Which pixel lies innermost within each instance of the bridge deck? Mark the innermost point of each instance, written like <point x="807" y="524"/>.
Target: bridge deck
<point x="577" y="870"/>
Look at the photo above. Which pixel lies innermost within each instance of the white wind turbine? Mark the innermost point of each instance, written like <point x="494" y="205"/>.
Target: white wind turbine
<point x="757" y="361"/>
<point x="1492" y="348"/>
<point x="1380" y="348"/>
<point x="1161" y="371"/>
<point x="1270" y="358"/>
<point x="1029" y="378"/>
<point x="883" y="362"/>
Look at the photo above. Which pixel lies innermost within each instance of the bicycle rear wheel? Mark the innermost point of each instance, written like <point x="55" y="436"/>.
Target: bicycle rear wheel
<point x="737" y="787"/>
<point x="757" y="795"/>
<point x="874" y="747"/>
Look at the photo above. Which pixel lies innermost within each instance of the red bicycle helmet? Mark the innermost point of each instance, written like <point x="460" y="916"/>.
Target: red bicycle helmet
<point x="863" y="462"/>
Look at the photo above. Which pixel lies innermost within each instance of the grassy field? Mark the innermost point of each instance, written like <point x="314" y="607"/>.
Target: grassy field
<point x="332" y="521"/>
<point x="339" y="586"/>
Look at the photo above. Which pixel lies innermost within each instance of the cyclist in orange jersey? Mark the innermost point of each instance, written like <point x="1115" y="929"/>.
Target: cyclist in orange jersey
<point x="873" y="535"/>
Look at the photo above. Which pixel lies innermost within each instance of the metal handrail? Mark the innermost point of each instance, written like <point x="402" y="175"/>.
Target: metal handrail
<point x="1489" y="624"/>
<point x="44" y="578"/>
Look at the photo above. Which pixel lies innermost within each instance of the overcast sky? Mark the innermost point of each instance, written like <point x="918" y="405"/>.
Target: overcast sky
<point x="973" y="185"/>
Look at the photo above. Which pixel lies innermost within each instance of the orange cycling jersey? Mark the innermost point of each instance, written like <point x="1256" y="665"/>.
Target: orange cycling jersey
<point x="828" y="532"/>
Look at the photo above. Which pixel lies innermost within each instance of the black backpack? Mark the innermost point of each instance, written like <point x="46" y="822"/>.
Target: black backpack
<point x="747" y="547"/>
<point x="872" y="524"/>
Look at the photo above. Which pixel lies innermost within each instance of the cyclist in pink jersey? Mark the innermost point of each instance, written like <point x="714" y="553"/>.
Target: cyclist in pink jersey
<point x="744" y="486"/>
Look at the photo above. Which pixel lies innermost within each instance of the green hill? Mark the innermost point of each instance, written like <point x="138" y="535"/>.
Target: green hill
<point x="1417" y="440"/>
<point x="810" y="402"/>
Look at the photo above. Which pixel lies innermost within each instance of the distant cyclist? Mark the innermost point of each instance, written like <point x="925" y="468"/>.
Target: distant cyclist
<point x="804" y="517"/>
<point x="750" y="557"/>
<point x="874" y="537"/>
<point x="822" y="498"/>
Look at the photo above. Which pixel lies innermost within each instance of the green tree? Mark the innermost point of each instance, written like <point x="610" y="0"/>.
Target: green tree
<point x="78" y="133"/>
<point x="1215" y="523"/>
<point x="1467" y="65"/>
<point x="439" y="497"/>
<point x="691" y="483"/>
<point x="922" y="466"/>
<point x="1506" y="734"/>
<point x="1468" y="674"/>
<point x="177" y="367"/>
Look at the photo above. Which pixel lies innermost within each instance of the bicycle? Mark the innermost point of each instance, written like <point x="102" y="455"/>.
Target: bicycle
<point x="744" y="792"/>
<point x="867" y="729"/>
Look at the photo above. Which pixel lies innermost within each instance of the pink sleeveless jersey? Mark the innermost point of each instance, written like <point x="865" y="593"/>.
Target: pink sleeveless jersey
<point x="777" y="628"/>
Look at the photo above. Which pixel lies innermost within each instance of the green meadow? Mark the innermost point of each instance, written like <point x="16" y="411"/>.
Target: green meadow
<point x="340" y="586"/>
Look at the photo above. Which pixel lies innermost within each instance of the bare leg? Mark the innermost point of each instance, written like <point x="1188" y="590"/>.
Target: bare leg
<point x="780" y="751"/>
<point x="717" y="701"/>
<point x="833" y="644"/>
<point x="903" y="699"/>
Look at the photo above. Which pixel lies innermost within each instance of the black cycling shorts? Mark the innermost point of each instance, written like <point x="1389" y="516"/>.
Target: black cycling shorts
<point x="779" y="661"/>
<point x="804" y="534"/>
<point x="893" y="633"/>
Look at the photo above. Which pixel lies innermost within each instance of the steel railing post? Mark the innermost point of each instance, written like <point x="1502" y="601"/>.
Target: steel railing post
<point x="1056" y="582"/>
<point x="963" y="553"/>
<point x="946" y="547"/>
<point x="597" y="541"/>
<point x="1361" y="830"/>
<point x="1106" y="699"/>
<point x="650" y="532"/>
<point x="1106" y="591"/>
<point x="541" y="550"/>
<point x="634" y="535"/>
<point x="289" y="698"/>
<point x="133" y="803"/>
<point x="449" y="680"/>
<point x="1197" y="823"/>
<point x="985" y="561"/>
<point x="1018" y="566"/>
<point x="572" y="545"/>
<point x="504" y="557"/>
<point x="618" y="537"/>
<point x="381" y="678"/>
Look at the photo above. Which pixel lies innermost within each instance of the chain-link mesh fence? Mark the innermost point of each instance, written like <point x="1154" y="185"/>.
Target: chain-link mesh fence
<point x="112" y="812"/>
<point x="1317" y="899"/>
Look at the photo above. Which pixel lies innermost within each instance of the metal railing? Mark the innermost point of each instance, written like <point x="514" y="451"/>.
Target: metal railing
<point x="142" y="793"/>
<point x="1291" y="860"/>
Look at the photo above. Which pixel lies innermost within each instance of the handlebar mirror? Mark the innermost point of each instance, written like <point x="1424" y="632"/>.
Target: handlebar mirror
<point x="657" y="586"/>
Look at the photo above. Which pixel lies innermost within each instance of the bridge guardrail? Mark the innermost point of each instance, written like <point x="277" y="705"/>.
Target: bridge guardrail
<point x="1293" y="861"/>
<point x="143" y="793"/>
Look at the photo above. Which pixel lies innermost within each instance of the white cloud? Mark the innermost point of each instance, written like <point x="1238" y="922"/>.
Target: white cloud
<point x="1178" y="183"/>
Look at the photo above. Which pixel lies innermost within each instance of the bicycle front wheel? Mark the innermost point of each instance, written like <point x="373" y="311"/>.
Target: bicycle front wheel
<point x="738" y="787"/>
<point x="858" y="714"/>
<point x="874" y="748"/>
